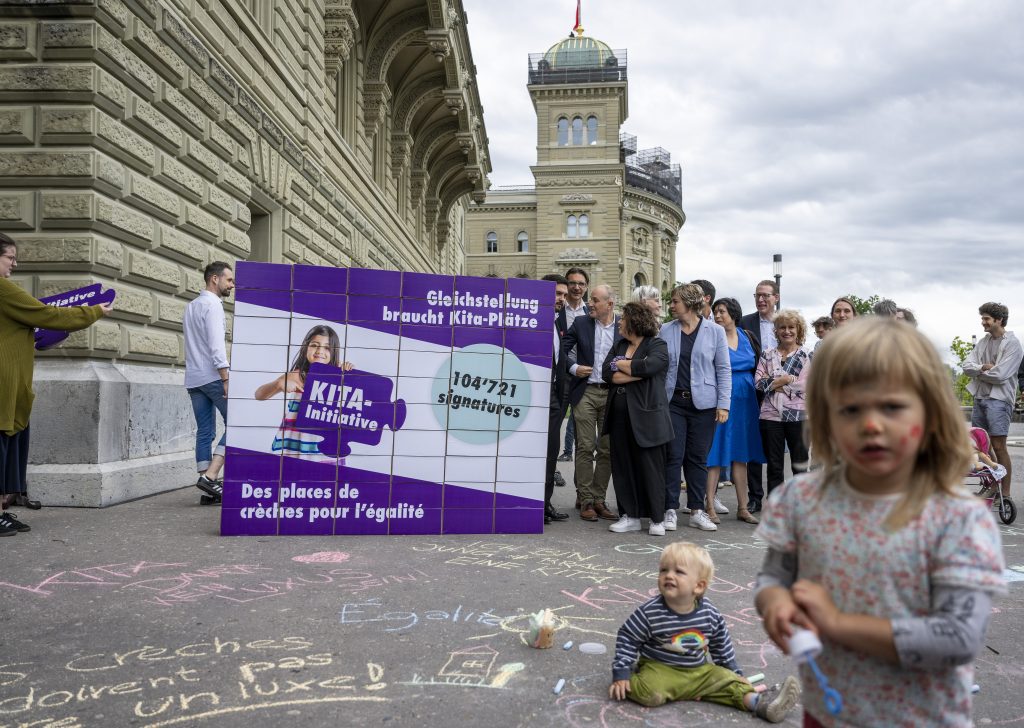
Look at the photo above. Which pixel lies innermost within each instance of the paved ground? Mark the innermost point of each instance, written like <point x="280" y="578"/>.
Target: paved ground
<point x="142" y="615"/>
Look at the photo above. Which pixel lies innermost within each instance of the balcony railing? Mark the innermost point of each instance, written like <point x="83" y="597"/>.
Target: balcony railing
<point x="582" y="66"/>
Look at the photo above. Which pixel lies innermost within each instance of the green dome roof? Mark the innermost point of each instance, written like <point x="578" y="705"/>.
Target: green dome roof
<point x="579" y="52"/>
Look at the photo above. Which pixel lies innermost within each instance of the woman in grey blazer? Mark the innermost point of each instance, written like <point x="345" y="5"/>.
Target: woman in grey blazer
<point x="698" y="385"/>
<point x="637" y="419"/>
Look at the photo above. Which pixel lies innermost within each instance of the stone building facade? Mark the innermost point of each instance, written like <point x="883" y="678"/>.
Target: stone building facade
<point x="142" y="139"/>
<point x="597" y="202"/>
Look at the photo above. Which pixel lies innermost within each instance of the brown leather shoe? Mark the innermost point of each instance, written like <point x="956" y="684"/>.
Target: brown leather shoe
<point x="745" y="516"/>
<point x="604" y="512"/>
<point x="588" y="513"/>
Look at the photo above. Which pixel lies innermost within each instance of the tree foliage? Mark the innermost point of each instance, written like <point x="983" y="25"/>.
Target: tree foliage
<point x="863" y="306"/>
<point x="961" y="350"/>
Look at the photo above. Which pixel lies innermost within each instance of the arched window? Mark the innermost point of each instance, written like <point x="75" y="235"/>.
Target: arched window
<point x="584" y="226"/>
<point x="639" y="280"/>
<point x="591" y="130"/>
<point x="492" y="242"/>
<point x="577" y="131"/>
<point x="571" y="230"/>
<point x="563" y="132"/>
<point x="522" y="242"/>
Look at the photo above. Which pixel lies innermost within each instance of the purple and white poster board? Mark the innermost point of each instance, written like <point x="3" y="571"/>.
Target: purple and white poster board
<point x="91" y="295"/>
<point x="379" y="402"/>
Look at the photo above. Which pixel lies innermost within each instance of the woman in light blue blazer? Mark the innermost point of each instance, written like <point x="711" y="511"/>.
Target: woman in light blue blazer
<point x="699" y="388"/>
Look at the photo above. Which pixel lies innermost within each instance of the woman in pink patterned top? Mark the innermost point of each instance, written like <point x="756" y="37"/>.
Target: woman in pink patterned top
<point x="781" y="376"/>
<point x="882" y="551"/>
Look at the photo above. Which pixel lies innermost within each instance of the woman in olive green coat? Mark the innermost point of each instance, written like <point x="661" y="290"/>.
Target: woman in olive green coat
<point x="20" y="315"/>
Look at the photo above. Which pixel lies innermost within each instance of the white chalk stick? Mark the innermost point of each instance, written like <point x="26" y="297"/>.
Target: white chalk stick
<point x="567" y="645"/>
<point x="756" y="678"/>
<point x="975" y="688"/>
<point x="559" y="685"/>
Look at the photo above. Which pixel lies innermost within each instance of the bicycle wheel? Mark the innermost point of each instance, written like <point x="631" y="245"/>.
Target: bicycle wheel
<point x="1007" y="510"/>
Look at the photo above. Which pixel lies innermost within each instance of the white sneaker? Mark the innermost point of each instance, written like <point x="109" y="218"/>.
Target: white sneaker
<point x="700" y="519"/>
<point x="670" y="521"/>
<point x="685" y="511"/>
<point x="656" y="529"/>
<point x="719" y="507"/>
<point x="625" y="524"/>
<point x="774" y="704"/>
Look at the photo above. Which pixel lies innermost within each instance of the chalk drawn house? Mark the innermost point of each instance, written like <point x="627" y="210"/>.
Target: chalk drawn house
<point x="473" y="663"/>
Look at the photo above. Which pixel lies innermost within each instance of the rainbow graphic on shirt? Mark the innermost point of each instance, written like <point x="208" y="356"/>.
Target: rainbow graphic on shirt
<point x="689" y="641"/>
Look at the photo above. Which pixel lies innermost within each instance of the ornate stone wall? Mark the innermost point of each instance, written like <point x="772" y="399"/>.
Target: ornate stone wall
<point x="142" y="139"/>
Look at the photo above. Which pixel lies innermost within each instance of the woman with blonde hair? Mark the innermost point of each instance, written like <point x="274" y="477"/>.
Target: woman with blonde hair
<point x="698" y="385"/>
<point x="781" y="376"/>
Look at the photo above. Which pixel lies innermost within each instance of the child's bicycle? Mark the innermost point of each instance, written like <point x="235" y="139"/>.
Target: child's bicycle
<point x="991" y="480"/>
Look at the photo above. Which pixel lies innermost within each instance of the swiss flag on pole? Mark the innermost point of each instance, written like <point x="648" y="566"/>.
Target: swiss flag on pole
<point x="577" y="15"/>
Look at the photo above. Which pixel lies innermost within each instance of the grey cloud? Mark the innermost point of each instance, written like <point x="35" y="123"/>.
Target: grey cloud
<point x="877" y="145"/>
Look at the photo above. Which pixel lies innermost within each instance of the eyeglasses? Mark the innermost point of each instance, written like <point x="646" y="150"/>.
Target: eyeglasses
<point x="762" y="296"/>
<point x="12" y="258"/>
<point x="575" y="284"/>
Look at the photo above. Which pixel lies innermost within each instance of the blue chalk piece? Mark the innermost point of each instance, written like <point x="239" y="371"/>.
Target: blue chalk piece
<point x="559" y="685"/>
<point x="567" y="645"/>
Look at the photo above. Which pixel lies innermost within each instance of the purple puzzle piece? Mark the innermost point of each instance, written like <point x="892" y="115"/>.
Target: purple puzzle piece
<point x="356" y="404"/>
<point x="88" y="296"/>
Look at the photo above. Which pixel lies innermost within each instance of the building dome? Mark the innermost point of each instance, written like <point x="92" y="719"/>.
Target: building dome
<point x="580" y="52"/>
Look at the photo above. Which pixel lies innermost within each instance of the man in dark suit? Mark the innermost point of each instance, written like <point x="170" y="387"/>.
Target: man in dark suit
<point x="556" y="410"/>
<point x="576" y="306"/>
<point x="593" y="336"/>
<point x="761" y="327"/>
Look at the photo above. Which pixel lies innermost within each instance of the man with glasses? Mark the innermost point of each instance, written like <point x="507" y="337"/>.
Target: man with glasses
<point x="575" y="306"/>
<point x="556" y="407"/>
<point x="761" y="327"/>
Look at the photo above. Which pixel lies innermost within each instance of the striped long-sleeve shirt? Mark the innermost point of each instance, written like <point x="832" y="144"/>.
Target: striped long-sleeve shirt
<point x="682" y="640"/>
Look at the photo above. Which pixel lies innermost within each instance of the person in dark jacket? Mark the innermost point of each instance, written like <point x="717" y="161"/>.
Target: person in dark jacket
<point x="637" y="420"/>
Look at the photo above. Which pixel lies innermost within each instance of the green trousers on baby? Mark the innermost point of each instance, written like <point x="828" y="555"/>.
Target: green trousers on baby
<point x="655" y="683"/>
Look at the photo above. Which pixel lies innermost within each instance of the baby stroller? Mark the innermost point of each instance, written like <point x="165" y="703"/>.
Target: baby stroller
<point x="991" y="478"/>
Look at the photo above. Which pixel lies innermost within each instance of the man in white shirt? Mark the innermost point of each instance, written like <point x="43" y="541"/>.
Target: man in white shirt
<point x="206" y="372"/>
<point x="992" y="368"/>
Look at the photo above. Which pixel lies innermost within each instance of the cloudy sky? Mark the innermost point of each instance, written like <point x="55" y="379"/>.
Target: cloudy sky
<point x="878" y="146"/>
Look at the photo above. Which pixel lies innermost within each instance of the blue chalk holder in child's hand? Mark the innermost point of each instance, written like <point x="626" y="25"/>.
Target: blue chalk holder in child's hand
<point x="804" y="645"/>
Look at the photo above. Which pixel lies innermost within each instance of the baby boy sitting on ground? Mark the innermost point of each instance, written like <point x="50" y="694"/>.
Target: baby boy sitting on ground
<point x="683" y="646"/>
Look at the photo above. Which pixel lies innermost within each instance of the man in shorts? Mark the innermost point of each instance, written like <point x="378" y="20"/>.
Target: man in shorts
<point x="992" y="367"/>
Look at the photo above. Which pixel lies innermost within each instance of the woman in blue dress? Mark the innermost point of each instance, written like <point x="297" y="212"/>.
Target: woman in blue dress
<point x="738" y="440"/>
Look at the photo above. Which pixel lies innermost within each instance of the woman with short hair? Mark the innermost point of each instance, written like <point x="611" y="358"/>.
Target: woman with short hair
<point x="698" y="385"/>
<point x="650" y="297"/>
<point x="782" y="377"/>
<point x="637" y="420"/>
